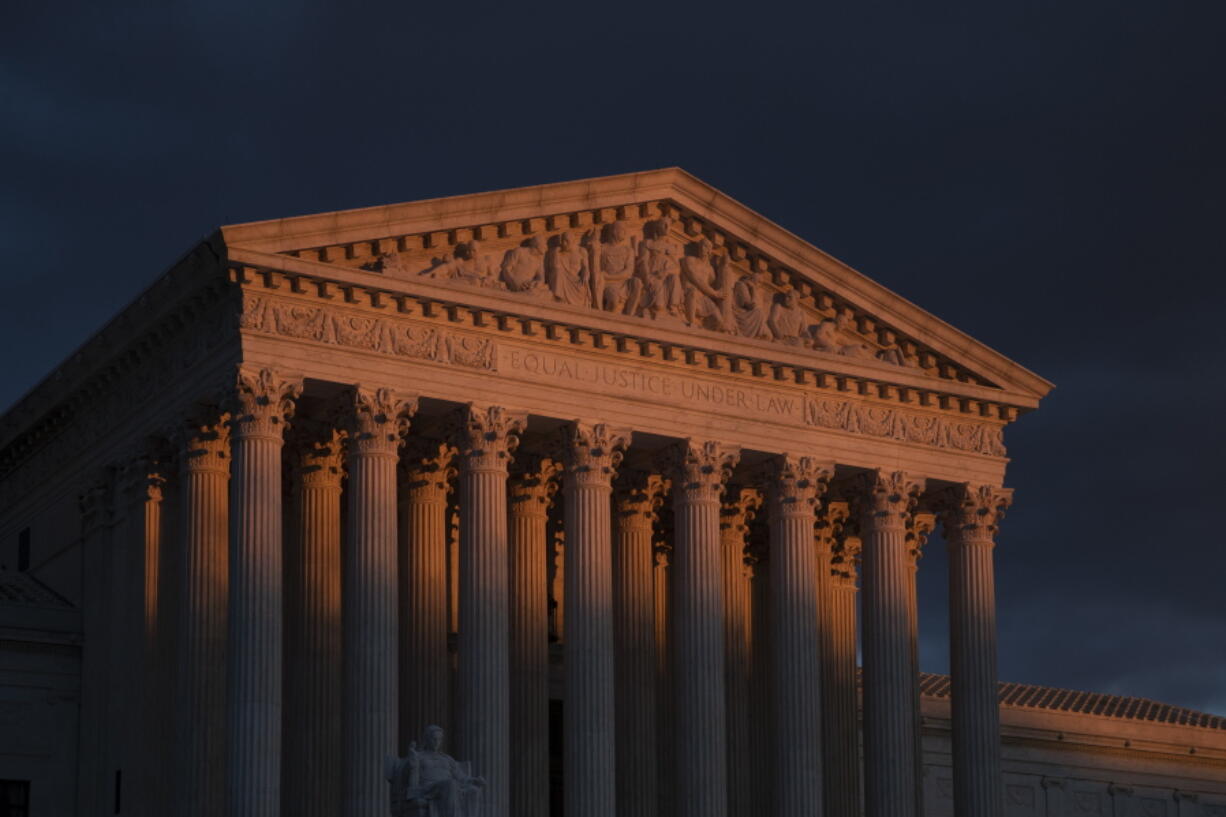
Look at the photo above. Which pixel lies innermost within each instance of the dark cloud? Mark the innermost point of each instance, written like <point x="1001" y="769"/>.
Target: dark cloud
<point x="1045" y="176"/>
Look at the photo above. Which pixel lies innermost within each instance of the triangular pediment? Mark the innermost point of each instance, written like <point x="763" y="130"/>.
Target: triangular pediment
<point x="659" y="249"/>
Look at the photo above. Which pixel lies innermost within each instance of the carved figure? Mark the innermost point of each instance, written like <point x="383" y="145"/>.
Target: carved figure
<point x="748" y="297"/>
<point x="658" y="268"/>
<point x="431" y="783"/>
<point x="523" y="267"/>
<point x="787" y="318"/>
<point x="614" y="285"/>
<point x="707" y="298"/>
<point x="827" y="337"/>
<point x="566" y="271"/>
<point x="465" y="264"/>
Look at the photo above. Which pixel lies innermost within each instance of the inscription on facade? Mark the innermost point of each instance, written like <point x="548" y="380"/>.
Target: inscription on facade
<point x="833" y="413"/>
<point x="648" y="385"/>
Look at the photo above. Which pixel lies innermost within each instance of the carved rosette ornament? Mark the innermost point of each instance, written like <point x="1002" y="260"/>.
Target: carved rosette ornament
<point x="378" y="420"/>
<point x="592" y="452"/>
<point x="487" y="436"/>
<point x="262" y="403"/>
<point x="889" y="497"/>
<point x="971" y="513"/>
<point x="700" y="468"/>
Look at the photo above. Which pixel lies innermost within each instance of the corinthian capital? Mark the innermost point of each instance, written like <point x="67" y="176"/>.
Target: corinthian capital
<point x="262" y="402"/>
<point x="320" y="459"/>
<point x="797" y="482"/>
<point x="970" y="513"/>
<point x="637" y="496"/>
<point x="700" y="468"/>
<point x="428" y="465"/>
<point x="888" y="497"/>
<point x="205" y="442"/>
<point x="534" y="481"/>
<point x="487" y="436"/>
<point x="592" y="452"/>
<point x="830" y="522"/>
<point x="377" y="420"/>
<point x="920" y="526"/>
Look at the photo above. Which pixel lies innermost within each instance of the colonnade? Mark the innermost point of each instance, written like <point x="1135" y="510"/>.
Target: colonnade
<point x="709" y="651"/>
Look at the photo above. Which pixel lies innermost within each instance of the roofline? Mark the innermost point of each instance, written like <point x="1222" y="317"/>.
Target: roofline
<point x="300" y="232"/>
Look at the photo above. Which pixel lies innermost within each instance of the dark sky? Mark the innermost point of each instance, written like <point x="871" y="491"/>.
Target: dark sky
<point x="1047" y="176"/>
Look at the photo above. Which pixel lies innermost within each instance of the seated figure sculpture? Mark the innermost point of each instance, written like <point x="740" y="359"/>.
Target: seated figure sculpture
<point x="431" y="783"/>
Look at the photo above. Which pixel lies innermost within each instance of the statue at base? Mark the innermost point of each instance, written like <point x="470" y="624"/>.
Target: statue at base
<point x="431" y="783"/>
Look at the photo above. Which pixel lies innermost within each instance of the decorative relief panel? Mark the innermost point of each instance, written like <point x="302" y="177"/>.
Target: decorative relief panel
<point x="906" y="426"/>
<point x="374" y="334"/>
<point x="684" y="274"/>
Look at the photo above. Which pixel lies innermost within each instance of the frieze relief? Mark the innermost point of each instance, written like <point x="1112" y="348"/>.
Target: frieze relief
<point x="374" y="334"/>
<point x="650" y="268"/>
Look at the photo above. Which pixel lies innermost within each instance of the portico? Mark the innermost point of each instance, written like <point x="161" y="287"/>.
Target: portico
<point x="741" y="441"/>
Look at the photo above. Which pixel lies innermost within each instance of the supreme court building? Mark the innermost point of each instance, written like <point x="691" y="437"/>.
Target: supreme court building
<point x="598" y="476"/>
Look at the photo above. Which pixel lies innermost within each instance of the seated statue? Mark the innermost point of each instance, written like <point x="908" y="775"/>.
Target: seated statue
<point x="430" y="783"/>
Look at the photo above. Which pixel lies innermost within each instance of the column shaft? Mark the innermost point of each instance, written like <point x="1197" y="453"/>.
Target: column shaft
<point x="141" y="487"/>
<point x="634" y="634"/>
<point x="369" y="600"/>
<point x="483" y="685"/>
<point x="840" y="699"/>
<point x="591" y="452"/>
<point x="737" y="510"/>
<point x="697" y="607"/>
<point x="665" y="756"/>
<point x="530" y="494"/>
<point x="970" y="520"/>
<point x="424" y="662"/>
<point x="312" y="722"/>
<point x="794" y="620"/>
<point x="262" y="404"/>
<point x="201" y="643"/>
<point x="889" y="700"/>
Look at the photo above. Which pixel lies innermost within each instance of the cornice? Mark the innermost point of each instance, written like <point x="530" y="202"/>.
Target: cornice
<point x="505" y="312"/>
<point x="191" y="284"/>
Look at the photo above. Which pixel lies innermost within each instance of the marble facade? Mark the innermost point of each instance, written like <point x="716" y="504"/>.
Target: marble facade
<point x="364" y="467"/>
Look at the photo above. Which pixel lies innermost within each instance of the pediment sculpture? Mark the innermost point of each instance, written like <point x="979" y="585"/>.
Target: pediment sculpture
<point x="431" y="783"/>
<point x="645" y="271"/>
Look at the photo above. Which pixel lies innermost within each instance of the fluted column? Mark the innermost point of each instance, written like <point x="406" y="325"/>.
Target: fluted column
<point x="312" y="718"/>
<point x="531" y="492"/>
<point x="838" y="555"/>
<point x="796" y="484"/>
<point x="919" y="525"/>
<point x="758" y="559"/>
<point x="94" y="771"/>
<point x="486" y="438"/>
<point x="971" y="514"/>
<point x="263" y="402"/>
<point x="665" y="762"/>
<point x="700" y="470"/>
<point x="200" y="708"/>
<point x="141" y="484"/>
<point x="889" y="701"/>
<point x="377" y="422"/>
<point x="636" y="499"/>
<point x="738" y="509"/>
<point x="591" y="454"/>
<point x="426" y="475"/>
